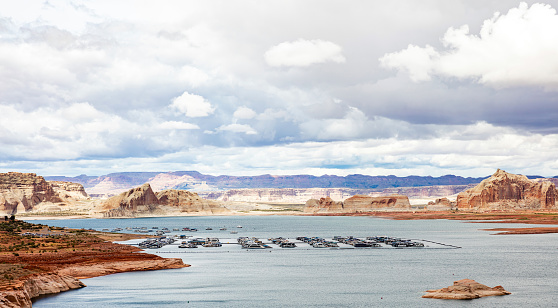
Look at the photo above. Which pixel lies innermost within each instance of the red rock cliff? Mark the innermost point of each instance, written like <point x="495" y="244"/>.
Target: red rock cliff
<point x="504" y="191"/>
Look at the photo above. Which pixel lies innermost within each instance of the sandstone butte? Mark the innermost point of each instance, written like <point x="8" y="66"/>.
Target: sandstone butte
<point x="31" y="266"/>
<point x="465" y="289"/>
<point x="143" y="201"/>
<point x="22" y="192"/>
<point x="506" y="191"/>
<point x="356" y="204"/>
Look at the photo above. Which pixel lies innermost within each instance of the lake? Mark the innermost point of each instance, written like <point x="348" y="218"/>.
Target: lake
<point x="229" y="276"/>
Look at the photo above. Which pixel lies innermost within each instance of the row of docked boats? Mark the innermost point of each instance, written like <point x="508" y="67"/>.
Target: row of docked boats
<point x="154" y="243"/>
<point x="251" y="243"/>
<point x="317" y="242"/>
<point x="376" y="241"/>
<point x="282" y="242"/>
<point x="207" y="242"/>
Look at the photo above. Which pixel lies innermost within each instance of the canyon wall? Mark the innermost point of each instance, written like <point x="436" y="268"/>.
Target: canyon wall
<point x="506" y="191"/>
<point x="301" y="195"/>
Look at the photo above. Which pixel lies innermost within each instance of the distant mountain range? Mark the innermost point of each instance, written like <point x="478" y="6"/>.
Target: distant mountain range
<point x="192" y="180"/>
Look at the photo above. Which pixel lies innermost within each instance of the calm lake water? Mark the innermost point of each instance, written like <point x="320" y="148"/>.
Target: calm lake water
<point x="383" y="277"/>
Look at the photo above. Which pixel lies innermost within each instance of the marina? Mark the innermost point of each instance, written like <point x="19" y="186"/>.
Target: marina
<point x="301" y="242"/>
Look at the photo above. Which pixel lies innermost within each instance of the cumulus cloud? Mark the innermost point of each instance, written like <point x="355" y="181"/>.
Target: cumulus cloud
<point x="192" y="105"/>
<point x="238" y="128"/>
<point x="304" y="53"/>
<point x="514" y="49"/>
<point x="245" y="113"/>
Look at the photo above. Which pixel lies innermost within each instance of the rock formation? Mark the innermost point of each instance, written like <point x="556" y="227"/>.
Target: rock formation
<point x="68" y="191"/>
<point x="323" y="205"/>
<point x="143" y="201"/>
<point x="21" y="192"/>
<point x="441" y="204"/>
<point x="360" y="203"/>
<point x="357" y="204"/>
<point x="465" y="289"/>
<point x="505" y="191"/>
<point x="36" y="285"/>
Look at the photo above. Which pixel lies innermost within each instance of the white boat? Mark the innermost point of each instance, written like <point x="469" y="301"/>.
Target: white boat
<point x="239" y="226"/>
<point x="319" y="245"/>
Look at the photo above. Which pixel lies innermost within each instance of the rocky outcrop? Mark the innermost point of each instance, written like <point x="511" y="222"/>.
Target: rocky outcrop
<point x="506" y="191"/>
<point x="67" y="277"/>
<point x="357" y="204"/>
<point x="323" y="205"/>
<point x="360" y="203"/>
<point x="143" y="201"/>
<point x="68" y="191"/>
<point x="22" y="192"/>
<point x="134" y="200"/>
<point x="441" y="204"/>
<point x="465" y="289"/>
<point x="188" y="202"/>
<point x="21" y="294"/>
<point x="96" y="269"/>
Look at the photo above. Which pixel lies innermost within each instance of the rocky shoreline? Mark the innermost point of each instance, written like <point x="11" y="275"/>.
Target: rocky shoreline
<point x="32" y="264"/>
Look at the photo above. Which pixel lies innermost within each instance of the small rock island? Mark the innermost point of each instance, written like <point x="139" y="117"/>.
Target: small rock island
<point x="465" y="289"/>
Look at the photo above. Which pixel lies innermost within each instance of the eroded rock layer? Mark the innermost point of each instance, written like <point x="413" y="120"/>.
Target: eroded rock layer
<point x="357" y="204"/>
<point x="36" y="285"/>
<point x="505" y="191"/>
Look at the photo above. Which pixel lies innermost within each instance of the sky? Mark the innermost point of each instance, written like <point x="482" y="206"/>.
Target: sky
<point x="402" y="88"/>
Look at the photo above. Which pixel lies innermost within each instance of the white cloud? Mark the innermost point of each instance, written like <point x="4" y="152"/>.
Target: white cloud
<point x="304" y="53"/>
<point x="178" y="125"/>
<point x="244" y="112"/>
<point x="192" y="105"/>
<point x="514" y="49"/>
<point x="416" y="61"/>
<point x="238" y="128"/>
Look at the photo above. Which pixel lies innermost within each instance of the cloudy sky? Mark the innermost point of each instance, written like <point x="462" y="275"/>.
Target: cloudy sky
<point x="410" y="87"/>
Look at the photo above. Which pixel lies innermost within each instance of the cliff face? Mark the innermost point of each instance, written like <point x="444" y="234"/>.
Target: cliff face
<point x="142" y="200"/>
<point x="301" y="195"/>
<point x="361" y="203"/>
<point x="68" y="191"/>
<point x="188" y="202"/>
<point x="36" y="285"/>
<point x="19" y="192"/>
<point x="22" y="192"/>
<point x="357" y="204"/>
<point x="323" y="205"/>
<point x="509" y="191"/>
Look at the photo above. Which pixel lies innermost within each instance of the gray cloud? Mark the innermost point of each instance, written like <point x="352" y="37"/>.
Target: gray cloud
<point x="92" y="92"/>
